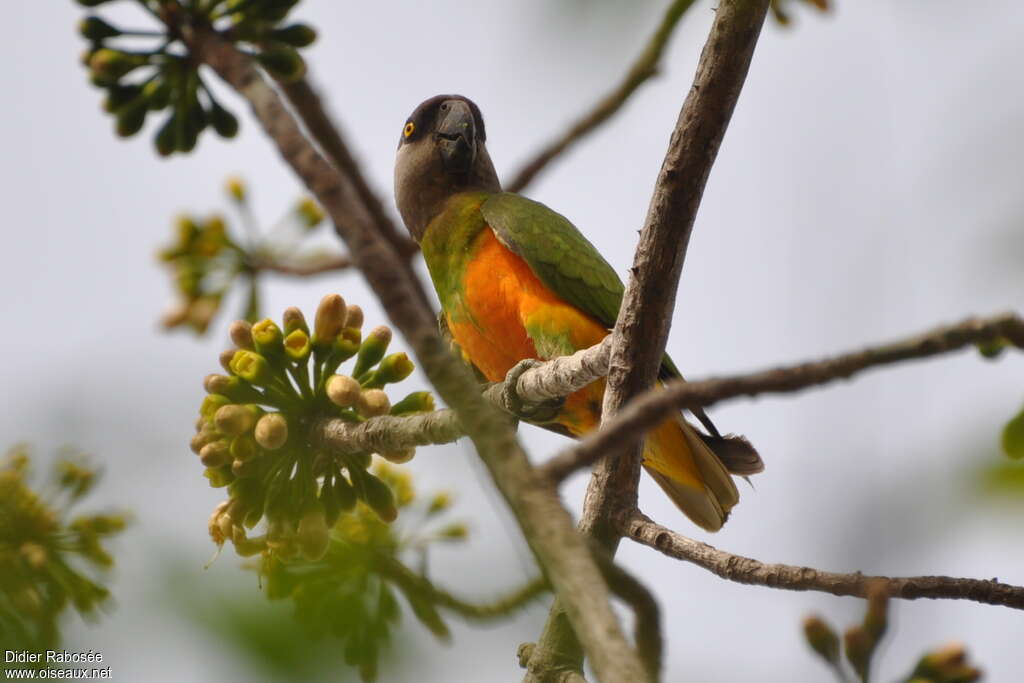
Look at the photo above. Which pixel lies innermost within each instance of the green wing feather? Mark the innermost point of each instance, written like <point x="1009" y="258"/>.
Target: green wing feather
<point x="558" y="253"/>
<point x="565" y="261"/>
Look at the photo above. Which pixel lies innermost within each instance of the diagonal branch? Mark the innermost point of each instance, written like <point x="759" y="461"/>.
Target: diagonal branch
<point x="788" y="577"/>
<point x="644" y="68"/>
<point x="306" y="268"/>
<point x="640" y="333"/>
<point x="306" y="102"/>
<point x="499" y="607"/>
<point x="651" y="408"/>
<point x="545" y="523"/>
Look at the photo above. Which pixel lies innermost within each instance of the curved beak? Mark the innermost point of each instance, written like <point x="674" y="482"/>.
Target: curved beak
<point x="456" y="137"/>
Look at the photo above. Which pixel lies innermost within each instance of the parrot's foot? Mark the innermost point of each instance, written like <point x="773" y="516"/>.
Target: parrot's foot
<point x="537" y="413"/>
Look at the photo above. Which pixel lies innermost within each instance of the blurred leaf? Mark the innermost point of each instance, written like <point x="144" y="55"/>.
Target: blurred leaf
<point x="1013" y="437"/>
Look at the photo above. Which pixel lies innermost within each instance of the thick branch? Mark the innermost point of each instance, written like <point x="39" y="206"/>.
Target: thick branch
<point x="745" y="570"/>
<point x="644" y="68"/>
<point x="546" y="525"/>
<point x="650" y="409"/>
<point x="640" y="333"/>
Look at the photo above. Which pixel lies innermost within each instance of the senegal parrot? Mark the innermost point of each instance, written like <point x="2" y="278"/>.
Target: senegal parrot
<point x="517" y="280"/>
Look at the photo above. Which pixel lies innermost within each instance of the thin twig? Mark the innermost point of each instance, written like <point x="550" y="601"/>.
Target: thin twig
<point x="641" y="330"/>
<point x="741" y="569"/>
<point x="644" y="68"/>
<point x="298" y="269"/>
<point x="648" y="410"/>
<point x="499" y="607"/>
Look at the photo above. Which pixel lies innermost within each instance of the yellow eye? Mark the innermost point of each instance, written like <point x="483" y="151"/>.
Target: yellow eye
<point x="409" y="128"/>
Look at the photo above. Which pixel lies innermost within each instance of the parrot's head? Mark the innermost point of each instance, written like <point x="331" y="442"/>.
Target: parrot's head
<point x="441" y="152"/>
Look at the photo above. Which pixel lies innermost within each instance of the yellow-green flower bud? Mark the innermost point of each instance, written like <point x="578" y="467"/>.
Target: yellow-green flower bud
<point x="283" y="62"/>
<point x="297" y="346"/>
<point x="109" y="66"/>
<point x="219" y="477"/>
<point x="215" y="453"/>
<point x="34" y="555"/>
<point x="157" y="94"/>
<point x="393" y="368"/>
<point x="374" y="346"/>
<point x="379" y="497"/>
<point x="232" y="387"/>
<point x="223" y="121"/>
<point x="97" y="30"/>
<point x="225" y="359"/>
<point x="373" y="402"/>
<point x="202" y="438"/>
<point x="313" y="535"/>
<point x="439" y="503"/>
<point x="211" y="404"/>
<point x="243" y="447"/>
<point x="296" y="35"/>
<point x="294" y="320"/>
<point x="268" y="337"/>
<point x="399" y="457"/>
<point x="309" y="213"/>
<point x="330" y="319"/>
<point x="343" y="390"/>
<point x="355" y="317"/>
<point x="454" y="532"/>
<point x="822" y="639"/>
<point x="235" y="188"/>
<point x="251" y="366"/>
<point x="416" y="402"/>
<point x="272" y="431"/>
<point x="236" y="419"/>
<point x="240" y="332"/>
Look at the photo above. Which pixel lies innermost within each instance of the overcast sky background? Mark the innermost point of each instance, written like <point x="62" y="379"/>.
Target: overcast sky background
<point x="869" y="187"/>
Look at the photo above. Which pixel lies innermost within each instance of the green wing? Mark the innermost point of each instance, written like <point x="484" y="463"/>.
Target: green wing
<point x="565" y="261"/>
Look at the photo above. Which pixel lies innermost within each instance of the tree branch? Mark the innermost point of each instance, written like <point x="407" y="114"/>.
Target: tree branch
<point x="745" y="570"/>
<point x="546" y="525"/>
<point x="638" y="340"/>
<point x="644" y="68"/>
<point x="650" y="409"/>
<point x="499" y="607"/>
<point x="315" y="266"/>
<point x="306" y="102"/>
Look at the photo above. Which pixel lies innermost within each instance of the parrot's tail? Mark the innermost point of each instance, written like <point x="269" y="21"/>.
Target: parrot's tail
<point x="690" y="472"/>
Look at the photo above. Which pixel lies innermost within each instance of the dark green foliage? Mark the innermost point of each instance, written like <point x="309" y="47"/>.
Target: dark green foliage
<point x="167" y="78"/>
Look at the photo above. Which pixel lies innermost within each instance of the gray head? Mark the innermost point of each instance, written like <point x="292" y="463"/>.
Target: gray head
<point x="441" y="152"/>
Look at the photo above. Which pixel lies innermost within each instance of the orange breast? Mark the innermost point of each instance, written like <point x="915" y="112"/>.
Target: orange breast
<point x="508" y="315"/>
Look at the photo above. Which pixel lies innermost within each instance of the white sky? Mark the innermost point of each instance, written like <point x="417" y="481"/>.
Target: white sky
<point x="869" y="187"/>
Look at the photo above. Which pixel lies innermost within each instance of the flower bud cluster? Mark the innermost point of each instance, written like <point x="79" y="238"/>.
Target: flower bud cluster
<point x="165" y="76"/>
<point x="358" y="576"/>
<point x="207" y="259"/>
<point x="46" y="554"/>
<point x="255" y="430"/>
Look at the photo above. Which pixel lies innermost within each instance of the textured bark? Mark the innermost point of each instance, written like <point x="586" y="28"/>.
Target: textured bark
<point x="640" y="333"/>
<point x="746" y="570"/>
<point x="648" y="410"/>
